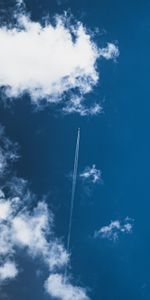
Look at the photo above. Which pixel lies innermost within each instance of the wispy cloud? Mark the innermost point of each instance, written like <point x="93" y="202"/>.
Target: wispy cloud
<point x="114" y="229"/>
<point x="91" y="174"/>
<point x="77" y="105"/>
<point x="8" y="152"/>
<point x="49" y="60"/>
<point x="109" y="52"/>
<point x="60" y="288"/>
<point x="8" y="271"/>
<point x="30" y="229"/>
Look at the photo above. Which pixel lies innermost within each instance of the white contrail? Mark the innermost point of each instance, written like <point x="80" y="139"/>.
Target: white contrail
<point x="74" y="179"/>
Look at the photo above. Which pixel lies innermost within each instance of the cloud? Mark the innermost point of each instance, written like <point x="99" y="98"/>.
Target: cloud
<point x="75" y="105"/>
<point x="91" y="174"/>
<point x="58" y="287"/>
<point x="5" y="209"/>
<point x="30" y="228"/>
<point x="8" y="271"/>
<point x="8" y="152"/>
<point x="47" y="61"/>
<point x="114" y="229"/>
<point x="21" y="226"/>
<point x="109" y="52"/>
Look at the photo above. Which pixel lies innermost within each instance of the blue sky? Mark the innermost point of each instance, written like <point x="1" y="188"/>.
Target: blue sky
<point x="44" y="100"/>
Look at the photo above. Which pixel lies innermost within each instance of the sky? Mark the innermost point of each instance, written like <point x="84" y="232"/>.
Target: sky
<point x="66" y="65"/>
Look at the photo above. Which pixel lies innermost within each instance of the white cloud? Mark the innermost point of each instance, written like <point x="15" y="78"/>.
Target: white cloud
<point x="49" y="60"/>
<point x="6" y="244"/>
<point x="2" y="163"/>
<point x="45" y="61"/>
<point x="115" y="228"/>
<point x="59" y="287"/>
<point x="76" y="105"/>
<point x="30" y="229"/>
<point x="5" y="209"/>
<point x="91" y="174"/>
<point x="7" y="152"/>
<point x="109" y="52"/>
<point x="8" y="271"/>
<point x="21" y="226"/>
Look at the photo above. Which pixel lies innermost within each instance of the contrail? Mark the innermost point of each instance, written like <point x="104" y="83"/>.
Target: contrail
<point x="74" y="179"/>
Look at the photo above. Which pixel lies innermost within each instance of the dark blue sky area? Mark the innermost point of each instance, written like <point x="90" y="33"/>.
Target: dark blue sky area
<point x="117" y="141"/>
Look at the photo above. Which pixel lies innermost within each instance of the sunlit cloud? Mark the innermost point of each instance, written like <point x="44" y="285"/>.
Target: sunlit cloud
<point x="8" y="271"/>
<point x="50" y="60"/>
<point x="59" y="287"/>
<point x="77" y="105"/>
<point x="91" y="174"/>
<point x="8" y="152"/>
<point x="30" y="229"/>
<point x="114" y="229"/>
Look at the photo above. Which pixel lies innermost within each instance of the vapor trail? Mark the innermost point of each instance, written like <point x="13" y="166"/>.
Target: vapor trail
<point x="74" y="179"/>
